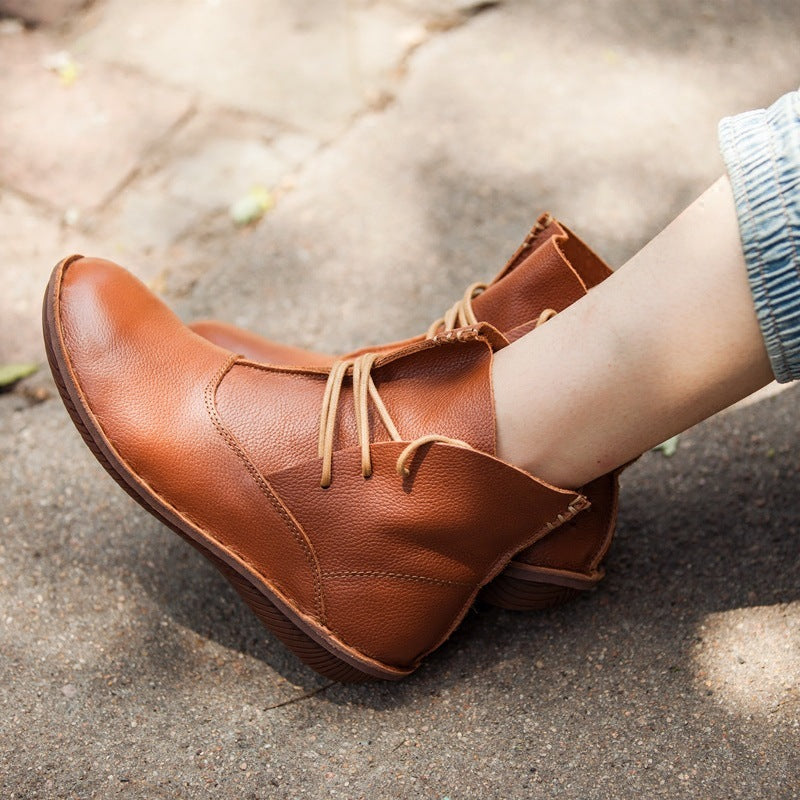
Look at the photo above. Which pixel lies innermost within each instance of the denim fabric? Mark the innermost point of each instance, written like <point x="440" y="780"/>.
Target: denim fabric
<point x="762" y="153"/>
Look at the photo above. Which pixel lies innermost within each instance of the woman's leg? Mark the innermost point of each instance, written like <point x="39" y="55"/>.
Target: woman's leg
<point x="668" y="340"/>
<point x="705" y="314"/>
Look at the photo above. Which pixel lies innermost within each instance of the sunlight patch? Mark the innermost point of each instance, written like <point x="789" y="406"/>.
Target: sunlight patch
<point x="749" y="658"/>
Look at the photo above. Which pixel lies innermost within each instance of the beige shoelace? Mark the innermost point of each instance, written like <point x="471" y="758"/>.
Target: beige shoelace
<point x="460" y="314"/>
<point x="364" y="388"/>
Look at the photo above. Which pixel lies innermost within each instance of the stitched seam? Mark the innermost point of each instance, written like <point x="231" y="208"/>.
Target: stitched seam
<point x="367" y="574"/>
<point x="278" y="369"/>
<point x="466" y="334"/>
<point x="265" y="488"/>
<point x="200" y="526"/>
<point x="147" y="483"/>
<point x="572" y="509"/>
<point x="400" y="575"/>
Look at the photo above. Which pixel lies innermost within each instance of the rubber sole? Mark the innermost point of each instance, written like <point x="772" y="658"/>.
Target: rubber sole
<point x="516" y="594"/>
<point x="311" y="644"/>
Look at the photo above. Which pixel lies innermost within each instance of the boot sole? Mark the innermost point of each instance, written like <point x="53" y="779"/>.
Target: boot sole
<point x="311" y="643"/>
<point x="517" y="594"/>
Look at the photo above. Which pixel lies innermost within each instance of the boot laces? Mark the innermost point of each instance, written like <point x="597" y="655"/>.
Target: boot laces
<point x="460" y="314"/>
<point x="363" y="389"/>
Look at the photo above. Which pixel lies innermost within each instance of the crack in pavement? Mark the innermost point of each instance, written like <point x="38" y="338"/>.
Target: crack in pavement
<point x="300" y="698"/>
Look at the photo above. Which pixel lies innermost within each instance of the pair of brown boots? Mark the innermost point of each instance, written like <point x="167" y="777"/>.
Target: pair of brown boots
<point x="356" y="504"/>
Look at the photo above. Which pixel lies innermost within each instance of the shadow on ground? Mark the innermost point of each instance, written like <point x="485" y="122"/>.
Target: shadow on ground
<point x="711" y="529"/>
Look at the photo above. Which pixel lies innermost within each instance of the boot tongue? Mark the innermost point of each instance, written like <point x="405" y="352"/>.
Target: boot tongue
<point x="537" y="277"/>
<point x="443" y="386"/>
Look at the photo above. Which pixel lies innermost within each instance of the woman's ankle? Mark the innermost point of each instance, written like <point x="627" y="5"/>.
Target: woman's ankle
<point x="668" y="340"/>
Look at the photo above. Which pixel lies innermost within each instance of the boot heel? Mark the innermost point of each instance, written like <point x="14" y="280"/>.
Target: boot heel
<point x="521" y="595"/>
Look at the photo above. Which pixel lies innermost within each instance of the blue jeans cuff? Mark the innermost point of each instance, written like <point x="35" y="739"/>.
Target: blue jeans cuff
<point x="762" y="154"/>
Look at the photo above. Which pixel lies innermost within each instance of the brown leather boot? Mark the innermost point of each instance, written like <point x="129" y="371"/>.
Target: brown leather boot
<point x="358" y="509"/>
<point x="550" y="270"/>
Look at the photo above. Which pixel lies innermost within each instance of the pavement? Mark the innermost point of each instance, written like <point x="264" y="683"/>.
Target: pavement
<point x="399" y="149"/>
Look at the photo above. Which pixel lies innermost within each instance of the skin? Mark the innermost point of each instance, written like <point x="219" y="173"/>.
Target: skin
<point x="668" y="340"/>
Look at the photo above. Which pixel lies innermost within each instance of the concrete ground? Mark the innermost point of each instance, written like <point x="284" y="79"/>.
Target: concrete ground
<point x="404" y="147"/>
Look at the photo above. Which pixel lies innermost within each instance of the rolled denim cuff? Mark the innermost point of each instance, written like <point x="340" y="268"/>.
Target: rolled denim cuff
<point x="762" y="154"/>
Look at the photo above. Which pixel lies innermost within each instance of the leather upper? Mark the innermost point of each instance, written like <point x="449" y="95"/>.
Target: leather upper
<point x="552" y="268"/>
<point x="387" y="565"/>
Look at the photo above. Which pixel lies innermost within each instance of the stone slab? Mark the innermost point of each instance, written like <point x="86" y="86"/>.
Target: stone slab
<point x="313" y="64"/>
<point x="45" y="12"/>
<point x="34" y="243"/>
<point x="34" y="240"/>
<point x="189" y="187"/>
<point x="72" y="146"/>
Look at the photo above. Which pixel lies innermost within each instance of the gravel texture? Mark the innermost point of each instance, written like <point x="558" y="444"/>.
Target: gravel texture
<point x="408" y="146"/>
